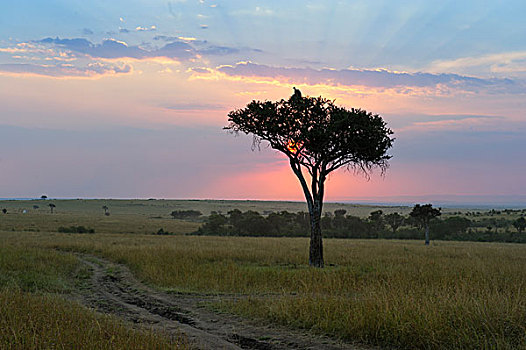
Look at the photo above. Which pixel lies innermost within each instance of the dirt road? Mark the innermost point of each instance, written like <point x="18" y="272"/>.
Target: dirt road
<point x="114" y="290"/>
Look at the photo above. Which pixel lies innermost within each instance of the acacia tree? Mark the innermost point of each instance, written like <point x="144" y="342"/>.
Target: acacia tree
<point x="520" y="224"/>
<point x="318" y="137"/>
<point x="394" y="220"/>
<point x="422" y="214"/>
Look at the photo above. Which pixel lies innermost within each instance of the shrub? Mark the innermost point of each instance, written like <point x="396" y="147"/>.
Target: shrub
<point x="161" y="231"/>
<point x="76" y="229"/>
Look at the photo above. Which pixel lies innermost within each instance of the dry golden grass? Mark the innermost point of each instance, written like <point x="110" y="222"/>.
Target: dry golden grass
<point x="395" y="293"/>
<point x="29" y="321"/>
<point x="163" y="208"/>
<point x="115" y="223"/>
<point x="33" y="316"/>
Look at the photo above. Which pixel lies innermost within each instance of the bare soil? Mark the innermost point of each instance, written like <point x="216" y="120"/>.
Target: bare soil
<point x="112" y="289"/>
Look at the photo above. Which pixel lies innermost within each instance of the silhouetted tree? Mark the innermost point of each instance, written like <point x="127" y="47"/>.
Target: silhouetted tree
<point x="377" y="222"/>
<point x="422" y="214"/>
<point x="216" y="224"/>
<point x="340" y="212"/>
<point x="520" y="224"/>
<point x="318" y="137"/>
<point x="339" y="220"/>
<point x="394" y="220"/>
<point x="43" y="196"/>
<point x="52" y="206"/>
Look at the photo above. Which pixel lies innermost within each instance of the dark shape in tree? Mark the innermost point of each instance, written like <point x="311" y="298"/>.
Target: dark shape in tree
<point x="317" y="137"/>
<point x="422" y="214"/>
<point x="520" y="224"/>
<point x="394" y="220"/>
<point x="52" y="206"/>
<point x="43" y="196"/>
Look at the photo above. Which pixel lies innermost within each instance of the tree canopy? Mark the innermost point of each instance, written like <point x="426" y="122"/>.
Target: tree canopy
<point x="315" y="133"/>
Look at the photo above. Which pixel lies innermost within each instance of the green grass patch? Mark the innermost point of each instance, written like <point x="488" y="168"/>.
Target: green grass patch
<point x="33" y="269"/>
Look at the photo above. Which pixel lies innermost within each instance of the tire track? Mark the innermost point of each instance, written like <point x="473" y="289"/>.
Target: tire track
<point x="113" y="289"/>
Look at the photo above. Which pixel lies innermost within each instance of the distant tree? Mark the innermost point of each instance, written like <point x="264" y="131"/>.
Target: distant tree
<point x="327" y="221"/>
<point x="43" y="196"/>
<point x="339" y="220"/>
<point x="215" y="224"/>
<point x="4" y="211"/>
<point x="377" y="222"/>
<point x="452" y="227"/>
<point x="105" y="208"/>
<point x="52" y="207"/>
<point x="394" y="220"/>
<point x="520" y="224"/>
<point x="318" y="138"/>
<point x="422" y="214"/>
<point x="340" y="212"/>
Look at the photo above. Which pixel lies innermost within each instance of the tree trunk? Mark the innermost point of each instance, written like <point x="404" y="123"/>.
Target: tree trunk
<point x="427" y="234"/>
<point x="315" y="204"/>
<point x="316" y="244"/>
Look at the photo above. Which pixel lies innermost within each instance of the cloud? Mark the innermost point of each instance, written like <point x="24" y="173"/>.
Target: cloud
<point x="146" y="29"/>
<point x="469" y="123"/>
<point x="375" y="78"/>
<point x="111" y="49"/>
<point x="506" y="62"/>
<point x="179" y="38"/>
<point x="87" y="31"/>
<point x="258" y="11"/>
<point x="219" y="50"/>
<point x="195" y="107"/>
<point x="200" y="70"/>
<point x="92" y="70"/>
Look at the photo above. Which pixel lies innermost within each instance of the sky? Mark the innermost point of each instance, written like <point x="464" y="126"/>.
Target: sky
<point x="128" y="99"/>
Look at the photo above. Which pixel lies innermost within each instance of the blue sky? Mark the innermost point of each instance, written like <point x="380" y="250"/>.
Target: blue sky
<point x="151" y="82"/>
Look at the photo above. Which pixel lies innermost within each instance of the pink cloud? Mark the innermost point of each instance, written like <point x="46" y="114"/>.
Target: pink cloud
<point x="400" y="82"/>
<point x="92" y="70"/>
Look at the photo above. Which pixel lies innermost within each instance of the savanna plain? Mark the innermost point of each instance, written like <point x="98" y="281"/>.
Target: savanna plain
<point x="373" y="293"/>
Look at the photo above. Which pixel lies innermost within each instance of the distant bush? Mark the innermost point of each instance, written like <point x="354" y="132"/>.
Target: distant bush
<point x="75" y="229"/>
<point x="161" y="231"/>
<point x="185" y="214"/>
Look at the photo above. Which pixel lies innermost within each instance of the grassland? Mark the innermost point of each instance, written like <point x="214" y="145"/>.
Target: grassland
<point x="163" y="208"/>
<point x="451" y="295"/>
<point x="29" y="321"/>
<point x="36" y="315"/>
